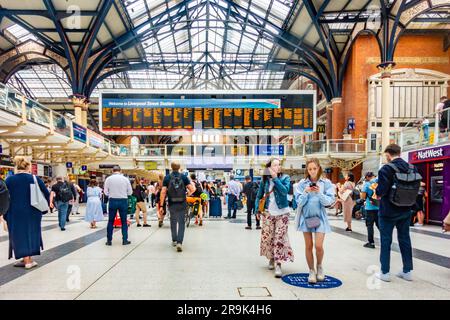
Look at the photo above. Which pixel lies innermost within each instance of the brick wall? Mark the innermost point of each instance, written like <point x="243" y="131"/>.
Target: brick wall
<point x="413" y="51"/>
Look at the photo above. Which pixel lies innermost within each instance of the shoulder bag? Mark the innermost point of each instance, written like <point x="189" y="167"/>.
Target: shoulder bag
<point x="37" y="198"/>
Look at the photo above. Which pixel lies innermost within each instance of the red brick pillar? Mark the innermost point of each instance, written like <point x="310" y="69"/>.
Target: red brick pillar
<point x="338" y="118"/>
<point x="329" y="124"/>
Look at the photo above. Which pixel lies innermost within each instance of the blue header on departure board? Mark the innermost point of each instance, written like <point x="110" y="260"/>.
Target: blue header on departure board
<point x="190" y="103"/>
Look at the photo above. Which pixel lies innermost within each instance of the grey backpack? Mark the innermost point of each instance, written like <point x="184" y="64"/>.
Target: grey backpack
<point x="406" y="186"/>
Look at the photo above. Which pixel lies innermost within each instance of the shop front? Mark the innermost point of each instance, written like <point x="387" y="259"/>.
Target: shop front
<point x="434" y="166"/>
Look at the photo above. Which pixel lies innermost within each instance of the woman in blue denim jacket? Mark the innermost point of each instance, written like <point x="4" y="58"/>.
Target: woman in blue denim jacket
<point x="313" y="194"/>
<point x="275" y="244"/>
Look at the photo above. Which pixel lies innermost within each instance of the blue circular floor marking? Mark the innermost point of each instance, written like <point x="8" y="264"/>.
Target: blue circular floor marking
<point x="301" y="280"/>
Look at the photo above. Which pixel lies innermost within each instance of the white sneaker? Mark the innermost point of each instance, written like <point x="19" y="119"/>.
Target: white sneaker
<point x="31" y="265"/>
<point x="386" y="277"/>
<point x="320" y="276"/>
<point x="312" y="279"/>
<point x="405" y="275"/>
<point x="418" y="224"/>
<point x="278" y="273"/>
<point x="271" y="264"/>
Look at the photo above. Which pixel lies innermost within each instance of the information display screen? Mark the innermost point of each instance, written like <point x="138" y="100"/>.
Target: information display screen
<point x="143" y="112"/>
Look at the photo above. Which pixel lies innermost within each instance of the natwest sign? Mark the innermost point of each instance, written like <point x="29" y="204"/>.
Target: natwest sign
<point x="429" y="154"/>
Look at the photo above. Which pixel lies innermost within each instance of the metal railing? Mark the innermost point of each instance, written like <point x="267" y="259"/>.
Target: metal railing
<point x="426" y="131"/>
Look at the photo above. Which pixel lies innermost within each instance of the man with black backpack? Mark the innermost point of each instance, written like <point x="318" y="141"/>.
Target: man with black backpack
<point x="250" y="190"/>
<point x="62" y="194"/>
<point x="398" y="186"/>
<point x="175" y="186"/>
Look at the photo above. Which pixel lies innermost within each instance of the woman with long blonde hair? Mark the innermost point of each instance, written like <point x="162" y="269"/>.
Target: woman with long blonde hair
<point x="313" y="194"/>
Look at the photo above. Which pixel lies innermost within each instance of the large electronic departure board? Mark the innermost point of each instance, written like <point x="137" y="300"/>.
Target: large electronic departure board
<point x="127" y="112"/>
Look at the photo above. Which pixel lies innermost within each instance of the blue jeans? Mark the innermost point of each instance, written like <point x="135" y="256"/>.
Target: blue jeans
<point x="62" y="213"/>
<point x="177" y="225"/>
<point x="122" y="206"/>
<point x="404" y="241"/>
<point x="232" y="205"/>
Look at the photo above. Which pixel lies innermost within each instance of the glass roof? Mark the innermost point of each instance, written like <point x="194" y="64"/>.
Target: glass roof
<point x="203" y="44"/>
<point x="42" y="81"/>
<point x="207" y="43"/>
<point x="17" y="34"/>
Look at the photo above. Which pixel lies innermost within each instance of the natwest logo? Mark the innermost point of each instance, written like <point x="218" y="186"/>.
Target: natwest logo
<point x="427" y="154"/>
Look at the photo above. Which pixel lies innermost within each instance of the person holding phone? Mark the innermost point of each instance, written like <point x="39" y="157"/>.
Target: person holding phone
<point x="313" y="194"/>
<point x="273" y="192"/>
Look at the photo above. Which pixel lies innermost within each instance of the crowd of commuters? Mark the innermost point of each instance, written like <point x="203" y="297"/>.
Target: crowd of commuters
<point x="386" y="201"/>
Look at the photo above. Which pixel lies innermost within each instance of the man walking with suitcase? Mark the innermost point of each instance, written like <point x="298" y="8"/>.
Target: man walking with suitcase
<point x="175" y="186"/>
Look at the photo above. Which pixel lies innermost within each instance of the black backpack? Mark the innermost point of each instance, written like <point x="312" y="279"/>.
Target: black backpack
<point x="4" y="198"/>
<point x="406" y="186"/>
<point x="177" y="189"/>
<point x="65" y="192"/>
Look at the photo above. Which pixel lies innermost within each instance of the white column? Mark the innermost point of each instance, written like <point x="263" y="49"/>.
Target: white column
<point x="385" y="69"/>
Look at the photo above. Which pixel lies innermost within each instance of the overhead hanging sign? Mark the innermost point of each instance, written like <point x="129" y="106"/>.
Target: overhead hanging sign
<point x="95" y="140"/>
<point x="269" y="150"/>
<point x="79" y="132"/>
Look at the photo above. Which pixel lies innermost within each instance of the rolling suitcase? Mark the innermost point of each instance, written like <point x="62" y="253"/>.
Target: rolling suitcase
<point x="215" y="207"/>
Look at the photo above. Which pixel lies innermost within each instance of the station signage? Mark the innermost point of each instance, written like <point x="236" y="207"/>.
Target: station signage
<point x="141" y="113"/>
<point x="79" y="132"/>
<point x="69" y="165"/>
<point x="320" y="128"/>
<point x="95" y="140"/>
<point x="151" y="165"/>
<point x="269" y="150"/>
<point x="430" y="154"/>
<point x="1" y="149"/>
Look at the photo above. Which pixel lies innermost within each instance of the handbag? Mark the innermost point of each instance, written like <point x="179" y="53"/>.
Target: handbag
<point x="346" y="194"/>
<point x="37" y="198"/>
<point x="312" y="222"/>
<point x="262" y="202"/>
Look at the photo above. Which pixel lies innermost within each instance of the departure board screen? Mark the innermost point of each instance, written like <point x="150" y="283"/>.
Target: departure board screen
<point x="297" y="121"/>
<point x="147" y="122"/>
<point x="188" y="119"/>
<point x="198" y="115"/>
<point x="268" y="118"/>
<point x="238" y="118"/>
<point x="124" y="112"/>
<point x="127" y="118"/>
<point x="208" y="118"/>
<point x="287" y="117"/>
<point x="218" y="118"/>
<point x="137" y="118"/>
<point x="177" y="118"/>
<point x="157" y="118"/>
<point x="278" y="118"/>
<point x="167" y="120"/>
<point x="116" y="118"/>
<point x="228" y="118"/>
<point x="248" y="118"/>
<point x="107" y="113"/>
<point x="258" y="118"/>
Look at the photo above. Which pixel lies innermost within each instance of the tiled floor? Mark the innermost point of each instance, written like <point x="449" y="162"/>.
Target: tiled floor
<point x="220" y="261"/>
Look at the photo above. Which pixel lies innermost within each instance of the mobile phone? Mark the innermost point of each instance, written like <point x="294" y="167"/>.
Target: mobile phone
<point x="313" y="184"/>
